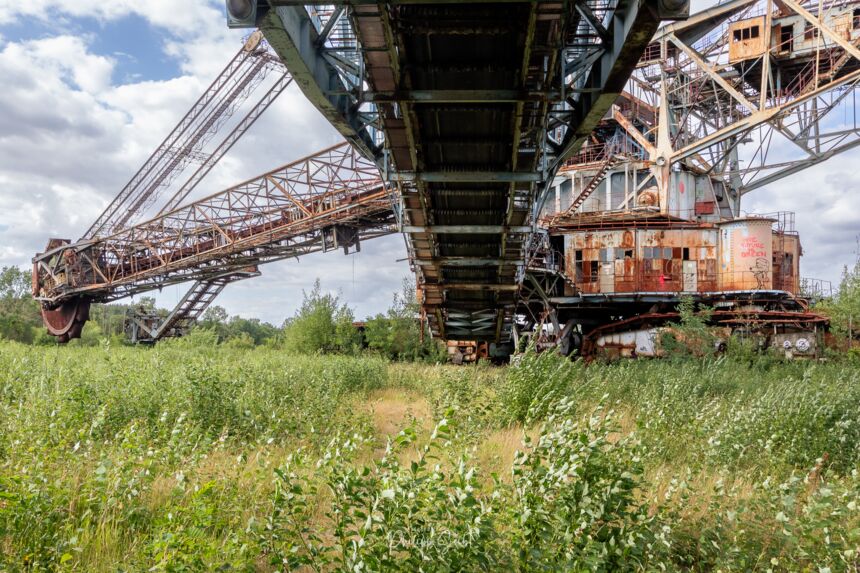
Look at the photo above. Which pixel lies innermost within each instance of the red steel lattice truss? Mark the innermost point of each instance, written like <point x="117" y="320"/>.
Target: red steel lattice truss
<point x="331" y="199"/>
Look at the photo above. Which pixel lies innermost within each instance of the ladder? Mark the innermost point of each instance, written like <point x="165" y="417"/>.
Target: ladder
<point x="592" y="185"/>
<point x="187" y="311"/>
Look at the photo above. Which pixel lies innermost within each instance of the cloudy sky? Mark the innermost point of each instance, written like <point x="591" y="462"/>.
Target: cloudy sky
<point x="89" y="88"/>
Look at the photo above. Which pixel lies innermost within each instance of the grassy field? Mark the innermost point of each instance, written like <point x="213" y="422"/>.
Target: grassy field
<point x="217" y="459"/>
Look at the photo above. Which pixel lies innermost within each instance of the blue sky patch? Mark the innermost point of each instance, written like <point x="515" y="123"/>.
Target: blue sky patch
<point x="134" y="44"/>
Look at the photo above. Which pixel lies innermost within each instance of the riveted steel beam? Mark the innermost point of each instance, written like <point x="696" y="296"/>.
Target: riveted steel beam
<point x="467" y="229"/>
<point x="292" y="34"/>
<point x="468" y="176"/>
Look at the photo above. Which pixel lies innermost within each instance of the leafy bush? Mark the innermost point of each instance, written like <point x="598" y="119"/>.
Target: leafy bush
<point x="533" y="384"/>
<point x="844" y="309"/>
<point x="691" y="335"/>
<point x="322" y="324"/>
<point x="194" y="458"/>
<point x="397" y="334"/>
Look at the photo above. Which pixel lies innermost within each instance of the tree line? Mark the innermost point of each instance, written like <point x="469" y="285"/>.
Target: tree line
<point x="322" y="324"/>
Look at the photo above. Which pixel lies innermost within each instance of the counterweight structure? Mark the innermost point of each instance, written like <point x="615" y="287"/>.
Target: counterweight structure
<point x="733" y="99"/>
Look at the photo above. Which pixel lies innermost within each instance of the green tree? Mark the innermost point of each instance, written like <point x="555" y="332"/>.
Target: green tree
<point x="252" y="328"/>
<point x="19" y="313"/>
<point x="397" y="334"/>
<point x="322" y="324"/>
<point x="844" y="309"/>
<point x="214" y="315"/>
<point x="215" y="318"/>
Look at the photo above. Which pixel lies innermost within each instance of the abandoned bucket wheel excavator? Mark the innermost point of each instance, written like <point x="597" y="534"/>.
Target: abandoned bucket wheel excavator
<point x="565" y="172"/>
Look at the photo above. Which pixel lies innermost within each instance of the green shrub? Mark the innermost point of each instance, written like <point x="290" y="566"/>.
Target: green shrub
<point x="533" y="384"/>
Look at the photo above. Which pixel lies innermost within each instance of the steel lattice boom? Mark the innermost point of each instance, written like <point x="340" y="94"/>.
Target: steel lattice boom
<point x="332" y="199"/>
<point x="470" y="107"/>
<point x="186" y="144"/>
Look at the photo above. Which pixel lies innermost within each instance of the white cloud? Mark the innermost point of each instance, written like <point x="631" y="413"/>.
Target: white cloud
<point x="68" y="55"/>
<point x="72" y="133"/>
<point x="180" y="18"/>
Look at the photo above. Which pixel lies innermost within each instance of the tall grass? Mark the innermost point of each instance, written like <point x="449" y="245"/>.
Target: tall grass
<point x="188" y="458"/>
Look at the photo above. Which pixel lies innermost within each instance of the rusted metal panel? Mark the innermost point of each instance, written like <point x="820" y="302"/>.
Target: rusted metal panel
<point x="705" y="207"/>
<point x="786" y="262"/>
<point x="647" y="260"/>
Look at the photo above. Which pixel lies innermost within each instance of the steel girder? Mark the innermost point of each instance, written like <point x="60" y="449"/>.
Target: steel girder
<point x="326" y="69"/>
<point x="291" y="211"/>
<point x="568" y="62"/>
<point x="750" y="121"/>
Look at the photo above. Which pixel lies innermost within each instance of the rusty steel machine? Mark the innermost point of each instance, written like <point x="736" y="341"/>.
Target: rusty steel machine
<point x="650" y="210"/>
<point x="583" y="225"/>
<point x="330" y="200"/>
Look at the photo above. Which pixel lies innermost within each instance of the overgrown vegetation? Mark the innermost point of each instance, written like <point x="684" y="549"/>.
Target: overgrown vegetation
<point x="844" y="309"/>
<point x="397" y="334"/>
<point x="323" y="324"/>
<point x="196" y="457"/>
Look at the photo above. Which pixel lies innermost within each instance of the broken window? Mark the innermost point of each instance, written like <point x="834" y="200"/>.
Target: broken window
<point x="745" y="33"/>
<point x="786" y="39"/>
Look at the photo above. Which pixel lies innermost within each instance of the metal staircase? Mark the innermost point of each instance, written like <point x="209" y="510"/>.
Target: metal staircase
<point x="592" y="185"/>
<point x="147" y="328"/>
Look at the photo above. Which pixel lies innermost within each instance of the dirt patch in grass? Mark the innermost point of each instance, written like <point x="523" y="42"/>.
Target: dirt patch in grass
<point x="394" y="408"/>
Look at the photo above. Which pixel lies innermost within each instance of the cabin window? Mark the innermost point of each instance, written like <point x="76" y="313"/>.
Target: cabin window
<point x="855" y="21"/>
<point x="745" y="33"/>
<point x="686" y="253"/>
<point x="786" y="39"/>
<point x="809" y="32"/>
<point x="578" y="266"/>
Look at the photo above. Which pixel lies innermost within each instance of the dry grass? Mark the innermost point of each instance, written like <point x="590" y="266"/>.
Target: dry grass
<point x="495" y="454"/>
<point x="706" y="484"/>
<point x="393" y="408"/>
